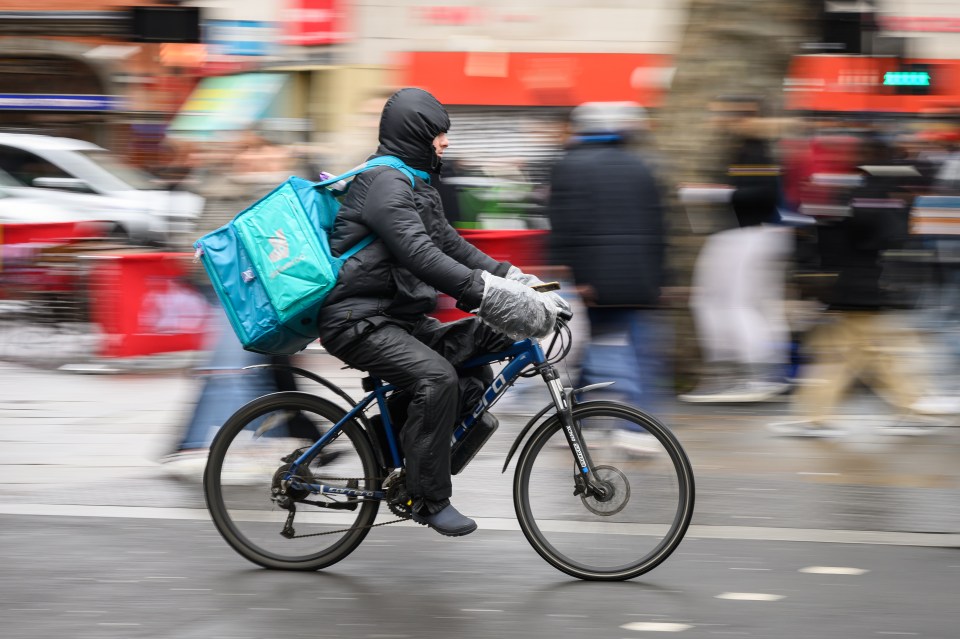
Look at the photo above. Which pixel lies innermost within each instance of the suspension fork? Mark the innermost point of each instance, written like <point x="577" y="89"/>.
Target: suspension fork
<point x="586" y="482"/>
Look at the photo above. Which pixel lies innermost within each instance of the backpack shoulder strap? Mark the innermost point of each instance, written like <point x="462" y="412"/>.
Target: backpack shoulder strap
<point x="397" y="163"/>
<point x="383" y="160"/>
<point x="350" y="252"/>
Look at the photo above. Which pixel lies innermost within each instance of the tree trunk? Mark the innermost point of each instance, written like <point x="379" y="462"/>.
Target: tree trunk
<point x="741" y="47"/>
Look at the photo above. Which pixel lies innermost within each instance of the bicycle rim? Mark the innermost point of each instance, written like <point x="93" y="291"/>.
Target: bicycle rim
<point x="634" y="530"/>
<point x="244" y="462"/>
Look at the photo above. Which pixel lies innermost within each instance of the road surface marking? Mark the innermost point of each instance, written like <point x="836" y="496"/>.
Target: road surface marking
<point x="653" y="626"/>
<point x="749" y="596"/>
<point x="833" y="570"/>
<point x="740" y="533"/>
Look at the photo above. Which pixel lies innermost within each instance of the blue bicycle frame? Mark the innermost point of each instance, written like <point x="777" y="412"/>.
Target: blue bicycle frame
<point x="522" y="355"/>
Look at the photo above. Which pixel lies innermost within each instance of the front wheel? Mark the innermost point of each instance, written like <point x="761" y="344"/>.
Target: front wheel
<point x="636" y="524"/>
<point x="246" y="469"/>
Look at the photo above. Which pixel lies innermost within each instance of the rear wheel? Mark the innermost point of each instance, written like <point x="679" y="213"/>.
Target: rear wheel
<point x="646" y="508"/>
<point x="246" y="467"/>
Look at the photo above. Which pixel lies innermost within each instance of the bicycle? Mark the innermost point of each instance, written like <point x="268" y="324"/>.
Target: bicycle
<point x="605" y="521"/>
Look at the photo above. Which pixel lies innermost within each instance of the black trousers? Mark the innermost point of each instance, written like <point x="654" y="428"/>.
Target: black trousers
<point x="421" y="358"/>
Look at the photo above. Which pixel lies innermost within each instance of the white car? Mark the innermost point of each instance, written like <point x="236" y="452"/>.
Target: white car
<point x="87" y="182"/>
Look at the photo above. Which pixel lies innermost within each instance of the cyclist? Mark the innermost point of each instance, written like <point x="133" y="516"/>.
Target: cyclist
<point x="375" y="319"/>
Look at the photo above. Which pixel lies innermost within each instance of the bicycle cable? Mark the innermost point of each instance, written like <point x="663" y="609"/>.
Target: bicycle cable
<point x="565" y="337"/>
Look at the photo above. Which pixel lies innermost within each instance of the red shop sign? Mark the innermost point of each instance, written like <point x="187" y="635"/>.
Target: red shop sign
<point x="536" y="79"/>
<point x="311" y="22"/>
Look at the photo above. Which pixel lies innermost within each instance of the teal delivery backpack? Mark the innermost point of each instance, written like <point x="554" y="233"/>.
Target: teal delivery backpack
<point x="271" y="265"/>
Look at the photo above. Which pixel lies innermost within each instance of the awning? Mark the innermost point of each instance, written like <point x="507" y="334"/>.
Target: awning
<point x="226" y="104"/>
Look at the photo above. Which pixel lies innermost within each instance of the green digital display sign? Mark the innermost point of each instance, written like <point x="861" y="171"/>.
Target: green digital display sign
<point x="906" y="79"/>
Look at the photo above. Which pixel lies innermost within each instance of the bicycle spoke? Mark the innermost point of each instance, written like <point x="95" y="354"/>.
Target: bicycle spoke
<point x="251" y="502"/>
<point x="642" y="512"/>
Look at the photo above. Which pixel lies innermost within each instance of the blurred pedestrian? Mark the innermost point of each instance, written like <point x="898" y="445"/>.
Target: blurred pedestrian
<point x="607" y="226"/>
<point x="739" y="276"/>
<point x="860" y="338"/>
<point x="947" y="180"/>
<point x="227" y="383"/>
<point x="254" y="168"/>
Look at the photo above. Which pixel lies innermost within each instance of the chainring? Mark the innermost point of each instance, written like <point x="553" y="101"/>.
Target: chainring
<point x="396" y="492"/>
<point x="613" y="480"/>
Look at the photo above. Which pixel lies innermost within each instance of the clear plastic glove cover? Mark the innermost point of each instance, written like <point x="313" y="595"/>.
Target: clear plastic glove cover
<point x="515" y="309"/>
<point x="527" y="279"/>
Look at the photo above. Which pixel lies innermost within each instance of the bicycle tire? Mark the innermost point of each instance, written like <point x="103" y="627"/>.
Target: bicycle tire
<point x="243" y="511"/>
<point x="556" y="538"/>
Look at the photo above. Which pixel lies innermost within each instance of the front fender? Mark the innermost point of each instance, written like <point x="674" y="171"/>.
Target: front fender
<point x="543" y="411"/>
<point x="523" y="433"/>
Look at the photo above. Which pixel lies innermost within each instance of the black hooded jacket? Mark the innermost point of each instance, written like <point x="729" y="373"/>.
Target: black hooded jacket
<point x="608" y="223"/>
<point x="416" y="252"/>
<point x="853" y="248"/>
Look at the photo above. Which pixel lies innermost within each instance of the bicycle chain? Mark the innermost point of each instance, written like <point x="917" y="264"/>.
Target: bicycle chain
<point x="343" y="530"/>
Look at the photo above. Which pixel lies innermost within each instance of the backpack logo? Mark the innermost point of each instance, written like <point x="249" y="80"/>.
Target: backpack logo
<point x="281" y="248"/>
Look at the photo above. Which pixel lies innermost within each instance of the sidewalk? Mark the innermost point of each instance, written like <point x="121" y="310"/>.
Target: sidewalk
<point x="95" y="440"/>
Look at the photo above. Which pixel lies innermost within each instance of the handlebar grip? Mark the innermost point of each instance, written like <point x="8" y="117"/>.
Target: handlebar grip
<point x="566" y="316"/>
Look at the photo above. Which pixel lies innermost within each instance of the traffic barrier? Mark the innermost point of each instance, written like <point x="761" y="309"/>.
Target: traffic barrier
<point x="143" y="306"/>
<point x="524" y="248"/>
<point x="47" y="232"/>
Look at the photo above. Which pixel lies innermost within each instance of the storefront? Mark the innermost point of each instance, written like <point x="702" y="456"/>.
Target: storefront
<point x="509" y="110"/>
<point x="873" y="85"/>
<point x="224" y="107"/>
<point x="55" y="95"/>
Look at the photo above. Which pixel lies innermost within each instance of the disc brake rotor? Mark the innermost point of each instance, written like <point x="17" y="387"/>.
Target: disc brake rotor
<point x="614" y="481"/>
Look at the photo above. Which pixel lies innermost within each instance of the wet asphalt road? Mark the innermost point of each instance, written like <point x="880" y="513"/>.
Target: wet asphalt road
<point x="69" y="576"/>
<point x="123" y="550"/>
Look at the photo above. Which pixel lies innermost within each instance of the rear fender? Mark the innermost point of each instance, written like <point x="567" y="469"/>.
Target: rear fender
<point x="326" y="383"/>
<point x="382" y="455"/>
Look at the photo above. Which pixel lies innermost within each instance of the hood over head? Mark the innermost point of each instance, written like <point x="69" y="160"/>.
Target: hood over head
<point x="410" y="121"/>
